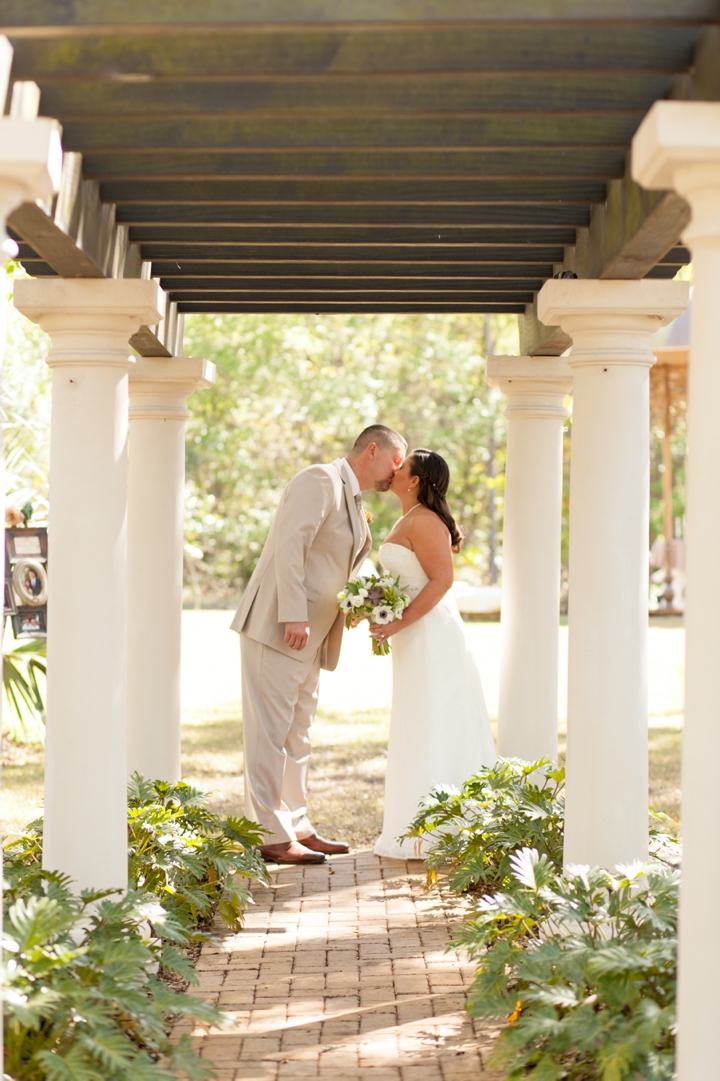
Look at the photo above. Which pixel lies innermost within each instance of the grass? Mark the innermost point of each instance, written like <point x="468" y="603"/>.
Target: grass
<point x="349" y="744"/>
<point x="347" y="771"/>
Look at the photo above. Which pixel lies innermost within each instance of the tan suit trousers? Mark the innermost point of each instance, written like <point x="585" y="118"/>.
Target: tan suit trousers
<point x="279" y="695"/>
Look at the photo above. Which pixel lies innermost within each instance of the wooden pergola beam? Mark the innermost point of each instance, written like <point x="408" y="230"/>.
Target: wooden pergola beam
<point x="628" y="236"/>
<point x="137" y="17"/>
<point x="340" y="283"/>
<point x="436" y="215"/>
<point x="220" y="235"/>
<point x="358" y="253"/>
<point x="538" y="130"/>
<point x="346" y="268"/>
<point x="345" y="307"/>
<point x="339" y="190"/>
<point x="564" y="163"/>
<point x="340" y="50"/>
<point x="456" y="94"/>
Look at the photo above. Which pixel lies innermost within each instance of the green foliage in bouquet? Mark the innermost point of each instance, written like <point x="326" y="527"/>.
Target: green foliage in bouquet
<point x="187" y="856"/>
<point x="500" y="810"/>
<point x="376" y="598"/>
<point x="581" y="967"/>
<point x="81" y="1000"/>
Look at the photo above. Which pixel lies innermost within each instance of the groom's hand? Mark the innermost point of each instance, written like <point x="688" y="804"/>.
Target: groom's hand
<point x="297" y="635"/>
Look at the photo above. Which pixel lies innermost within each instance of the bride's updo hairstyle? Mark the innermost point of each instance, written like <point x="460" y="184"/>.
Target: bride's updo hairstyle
<point x="434" y="476"/>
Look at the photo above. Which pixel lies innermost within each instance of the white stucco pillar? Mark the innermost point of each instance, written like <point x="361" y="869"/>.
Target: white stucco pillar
<point x="159" y="390"/>
<point x="610" y="323"/>
<point x="527" y="715"/>
<point x="30" y="168"/>
<point x="89" y="322"/>
<point x="678" y="146"/>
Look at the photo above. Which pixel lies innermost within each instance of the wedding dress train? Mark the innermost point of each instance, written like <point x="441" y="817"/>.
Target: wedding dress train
<point x="439" y="726"/>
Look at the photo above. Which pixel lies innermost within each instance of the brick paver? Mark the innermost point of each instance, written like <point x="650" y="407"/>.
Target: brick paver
<point x="341" y="971"/>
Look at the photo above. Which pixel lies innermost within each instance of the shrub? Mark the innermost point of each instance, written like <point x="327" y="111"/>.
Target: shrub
<point x="80" y="998"/>
<point x="179" y="851"/>
<point x="24" y="674"/>
<point x="500" y="810"/>
<point x="583" y="969"/>
<point x="186" y="855"/>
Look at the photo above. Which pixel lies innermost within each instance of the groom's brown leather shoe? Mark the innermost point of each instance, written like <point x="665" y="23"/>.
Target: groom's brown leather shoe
<point x="290" y="852"/>
<point x="319" y="844"/>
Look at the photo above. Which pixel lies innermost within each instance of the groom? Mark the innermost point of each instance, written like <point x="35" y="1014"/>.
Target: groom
<point x="290" y="628"/>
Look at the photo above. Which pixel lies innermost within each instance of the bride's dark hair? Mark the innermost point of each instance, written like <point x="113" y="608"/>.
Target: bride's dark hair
<point x="434" y="476"/>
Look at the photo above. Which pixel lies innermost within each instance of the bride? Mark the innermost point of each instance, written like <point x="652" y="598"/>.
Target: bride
<point x="439" y="727"/>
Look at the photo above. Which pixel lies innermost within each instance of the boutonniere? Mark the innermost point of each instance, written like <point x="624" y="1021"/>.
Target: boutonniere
<point x="369" y="518"/>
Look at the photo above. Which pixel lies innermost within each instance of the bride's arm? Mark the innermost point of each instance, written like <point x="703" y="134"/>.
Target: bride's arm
<point x="431" y="544"/>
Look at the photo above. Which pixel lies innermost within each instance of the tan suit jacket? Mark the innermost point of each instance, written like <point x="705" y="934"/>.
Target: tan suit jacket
<point x="316" y="543"/>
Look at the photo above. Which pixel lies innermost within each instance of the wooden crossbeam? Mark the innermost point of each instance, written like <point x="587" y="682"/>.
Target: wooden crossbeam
<point x="361" y="253"/>
<point x="309" y="297"/>
<point x="459" y="93"/>
<point x="563" y="163"/>
<point x="352" y="214"/>
<point x="338" y="190"/>
<point x="344" y="268"/>
<point x="332" y="50"/>
<point x="133" y="17"/>
<point x="219" y="236"/>
<point x="300" y="283"/>
<point x="345" y="307"/>
<point x="629" y="236"/>
<point x="432" y="131"/>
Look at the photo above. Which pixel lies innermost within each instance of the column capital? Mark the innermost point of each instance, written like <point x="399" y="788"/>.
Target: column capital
<point x="611" y="321"/>
<point x="159" y="388"/>
<point x="30" y="164"/>
<point x="90" y="320"/>
<point x="535" y="386"/>
<point x="678" y="146"/>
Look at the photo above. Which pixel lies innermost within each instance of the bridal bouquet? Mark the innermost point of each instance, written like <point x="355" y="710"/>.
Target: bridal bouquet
<point x="377" y="599"/>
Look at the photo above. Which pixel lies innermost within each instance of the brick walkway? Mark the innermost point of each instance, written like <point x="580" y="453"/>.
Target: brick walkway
<point x="341" y="971"/>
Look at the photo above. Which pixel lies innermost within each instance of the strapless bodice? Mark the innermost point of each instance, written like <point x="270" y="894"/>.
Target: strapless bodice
<point x="405" y="565"/>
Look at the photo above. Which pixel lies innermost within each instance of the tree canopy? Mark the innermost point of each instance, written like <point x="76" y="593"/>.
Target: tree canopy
<point x="293" y="390"/>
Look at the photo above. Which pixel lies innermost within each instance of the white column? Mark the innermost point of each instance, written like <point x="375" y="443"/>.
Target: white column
<point x="159" y="390"/>
<point x="89" y="322"/>
<point x="610" y="323"/>
<point x="30" y="168"/>
<point x="535" y="388"/>
<point x="678" y="146"/>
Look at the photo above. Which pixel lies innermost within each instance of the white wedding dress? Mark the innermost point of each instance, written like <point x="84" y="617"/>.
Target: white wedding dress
<point x="439" y="726"/>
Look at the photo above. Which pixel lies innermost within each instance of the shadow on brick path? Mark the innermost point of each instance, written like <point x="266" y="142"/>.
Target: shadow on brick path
<point x="341" y="971"/>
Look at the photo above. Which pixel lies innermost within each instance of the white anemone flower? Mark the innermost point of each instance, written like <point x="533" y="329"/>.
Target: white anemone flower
<point x="383" y="614"/>
<point x="346" y="605"/>
<point x="399" y="609"/>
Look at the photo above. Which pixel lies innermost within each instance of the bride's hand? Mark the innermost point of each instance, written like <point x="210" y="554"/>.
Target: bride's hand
<point x="382" y="631"/>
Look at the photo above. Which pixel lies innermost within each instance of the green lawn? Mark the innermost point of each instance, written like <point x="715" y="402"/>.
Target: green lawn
<point x="350" y="732"/>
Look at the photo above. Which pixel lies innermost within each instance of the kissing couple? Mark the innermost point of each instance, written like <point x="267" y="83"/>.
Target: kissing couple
<point x="290" y="628"/>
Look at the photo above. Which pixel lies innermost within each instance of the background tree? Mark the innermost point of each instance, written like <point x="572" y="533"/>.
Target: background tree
<point x="292" y="390"/>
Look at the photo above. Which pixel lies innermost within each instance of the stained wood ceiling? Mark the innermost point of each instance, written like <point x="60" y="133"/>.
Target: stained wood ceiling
<point x="353" y="155"/>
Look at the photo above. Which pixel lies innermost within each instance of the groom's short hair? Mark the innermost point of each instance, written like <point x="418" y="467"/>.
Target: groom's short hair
<point x="379" y="434"/>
